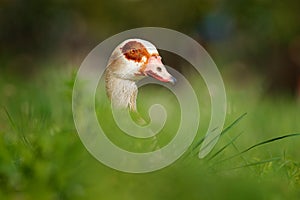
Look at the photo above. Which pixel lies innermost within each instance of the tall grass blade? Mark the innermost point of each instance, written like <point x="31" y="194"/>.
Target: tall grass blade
<point x="225" y="146"/>
<point x="10" y="119"/>
<point x="203" y="149"/>
<point x="257" y="163"/>
<point x="260" y="144"/>
<point x="222" y="133"/>
<point x="16" y="129"/>
<point x="193" y="151"/>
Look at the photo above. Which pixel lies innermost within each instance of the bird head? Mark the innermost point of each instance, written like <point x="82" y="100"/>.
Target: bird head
<point x="135" y="59"/>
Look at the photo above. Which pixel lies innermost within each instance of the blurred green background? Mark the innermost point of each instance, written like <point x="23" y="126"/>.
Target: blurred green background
<point x="255" y="44"/>
<point x="259" y="36"/>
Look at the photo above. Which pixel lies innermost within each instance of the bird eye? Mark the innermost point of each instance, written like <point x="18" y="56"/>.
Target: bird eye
<point x="133" y="51"/>
<point x="158" y="69"/>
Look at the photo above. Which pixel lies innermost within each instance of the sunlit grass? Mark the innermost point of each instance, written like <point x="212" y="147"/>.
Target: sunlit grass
<point x="41" y="156"/>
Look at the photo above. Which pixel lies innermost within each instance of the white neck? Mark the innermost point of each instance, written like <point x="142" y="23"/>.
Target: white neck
<point x="121" y="92"/>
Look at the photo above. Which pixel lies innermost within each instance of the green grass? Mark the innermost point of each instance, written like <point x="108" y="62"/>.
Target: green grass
<point x="42" y="157"/>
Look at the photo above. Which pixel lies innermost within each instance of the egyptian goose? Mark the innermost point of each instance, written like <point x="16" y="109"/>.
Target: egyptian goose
<point x="131" y="61"/>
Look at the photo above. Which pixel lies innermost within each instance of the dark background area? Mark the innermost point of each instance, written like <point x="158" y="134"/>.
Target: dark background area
<point x="260" y="36"/>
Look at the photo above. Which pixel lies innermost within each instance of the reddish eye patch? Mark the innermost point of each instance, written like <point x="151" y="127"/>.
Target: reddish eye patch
<point x="135" y="51"/>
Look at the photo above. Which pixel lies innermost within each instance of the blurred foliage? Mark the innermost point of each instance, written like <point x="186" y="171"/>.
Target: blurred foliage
<point x="260" y="35"/>
<point x="42" y="157"/>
